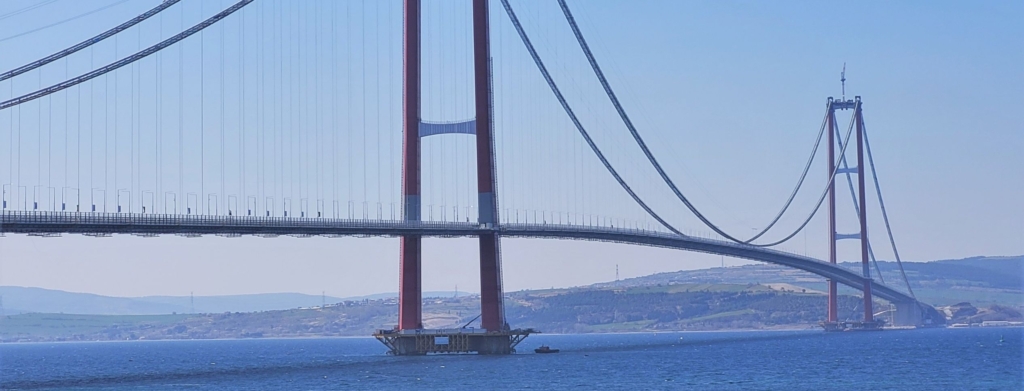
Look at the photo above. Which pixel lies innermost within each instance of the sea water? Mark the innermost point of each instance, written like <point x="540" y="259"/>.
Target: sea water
<point x="934" y="359"/>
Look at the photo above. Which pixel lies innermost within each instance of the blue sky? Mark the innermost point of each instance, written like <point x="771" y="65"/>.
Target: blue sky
<point x="728" y="94"/>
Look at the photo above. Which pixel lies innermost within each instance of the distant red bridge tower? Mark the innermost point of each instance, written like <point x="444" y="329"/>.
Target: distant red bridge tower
<point x="832" y="322"/>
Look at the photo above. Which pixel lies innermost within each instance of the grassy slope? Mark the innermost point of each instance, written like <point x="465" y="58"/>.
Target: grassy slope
<point x="66" y="325"/>
<point x="980" y="280"/>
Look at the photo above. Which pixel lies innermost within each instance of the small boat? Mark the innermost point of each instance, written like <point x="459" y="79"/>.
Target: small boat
<point x="545" y="349"/>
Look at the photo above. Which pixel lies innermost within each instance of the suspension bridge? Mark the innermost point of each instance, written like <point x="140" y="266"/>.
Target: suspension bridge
<point x="273" y="118"/>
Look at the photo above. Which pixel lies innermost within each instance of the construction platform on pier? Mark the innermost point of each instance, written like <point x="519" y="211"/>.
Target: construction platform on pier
<point x="421" y="342"/>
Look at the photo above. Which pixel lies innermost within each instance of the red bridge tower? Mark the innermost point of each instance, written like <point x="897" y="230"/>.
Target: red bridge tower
<point x="409" y="338"/>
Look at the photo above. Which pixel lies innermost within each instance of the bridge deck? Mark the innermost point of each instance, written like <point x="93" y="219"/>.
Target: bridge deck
<point x="55" y="223"/>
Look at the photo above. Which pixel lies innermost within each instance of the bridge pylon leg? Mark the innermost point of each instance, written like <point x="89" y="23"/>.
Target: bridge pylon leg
<point x="862" y="199"/>
<point x="492" y="315"/>
<point x="833" y="301"/>
<point x="410" y="302"/>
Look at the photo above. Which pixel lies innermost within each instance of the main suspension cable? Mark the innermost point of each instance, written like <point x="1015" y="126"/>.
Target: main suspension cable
<point x="127" y="60"/>
<point x="824" y="193"/>
<point x="89" y="42"/>
<point x="881" y="204"/>
<point x="576" y="121"/>
<point x="650" y="156"/>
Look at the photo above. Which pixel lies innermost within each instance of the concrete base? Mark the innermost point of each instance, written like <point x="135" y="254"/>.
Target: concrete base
<point x="502" y="344"/>
<point x="917" y="314"/>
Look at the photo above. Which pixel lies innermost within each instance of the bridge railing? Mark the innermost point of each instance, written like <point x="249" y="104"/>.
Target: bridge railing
<point x="102" y="219"/>
<point x="155" y="219"/>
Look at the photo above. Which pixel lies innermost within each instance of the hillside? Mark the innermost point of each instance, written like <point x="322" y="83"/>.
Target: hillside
<point x="671" y="307"/>
<point x="747" y="297"/>
<point x="23" y="300"/>
<point x="980" y="280"/>
<point x="17" y="300"/>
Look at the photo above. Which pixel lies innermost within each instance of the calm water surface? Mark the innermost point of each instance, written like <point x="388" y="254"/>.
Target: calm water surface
<point x="944" y="359"/>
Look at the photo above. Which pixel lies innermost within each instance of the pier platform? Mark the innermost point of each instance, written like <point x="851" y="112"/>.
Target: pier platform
<point x="852" y="326"/>
<point x="421" y="342"/>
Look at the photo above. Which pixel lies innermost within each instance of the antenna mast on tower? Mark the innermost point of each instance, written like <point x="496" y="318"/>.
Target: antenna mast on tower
<point x="842" y="79"/>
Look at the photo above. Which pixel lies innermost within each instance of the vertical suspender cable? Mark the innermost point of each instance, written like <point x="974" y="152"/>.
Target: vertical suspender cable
<point x="181" y="120"/>
<point x="300" y="113"/>
<point x="116" y="128"/>
<point x="92" y="136"/>
<point x="132" y="128"/>
<point x="391" y="112"/>
<point x="78" y="154"/>
<point x="335" y="98"/>
<point x="376" y="72"/>
<point x="241" y="116"/>
<point x="364" y="69"/>
<point x="348" y="104"/>
<point x="158" y="161"/>
<point x="261" y="114"/>
<point x="319" y="102"/>
<point x="106" y="136"/>
<point x="222" y="197"/>
<point x="10" y="148"/>
<point x="49" y="146"/>
<point x="66" y="107"/>
<point x="202" y="121"/>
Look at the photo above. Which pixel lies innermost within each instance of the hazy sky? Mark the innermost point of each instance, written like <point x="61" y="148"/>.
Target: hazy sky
<point x="729" y="95"/>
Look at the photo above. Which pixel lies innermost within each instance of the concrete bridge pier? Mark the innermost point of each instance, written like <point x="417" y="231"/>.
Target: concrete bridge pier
<point x="915" y="313"/>
<point x="907" y="314"/>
